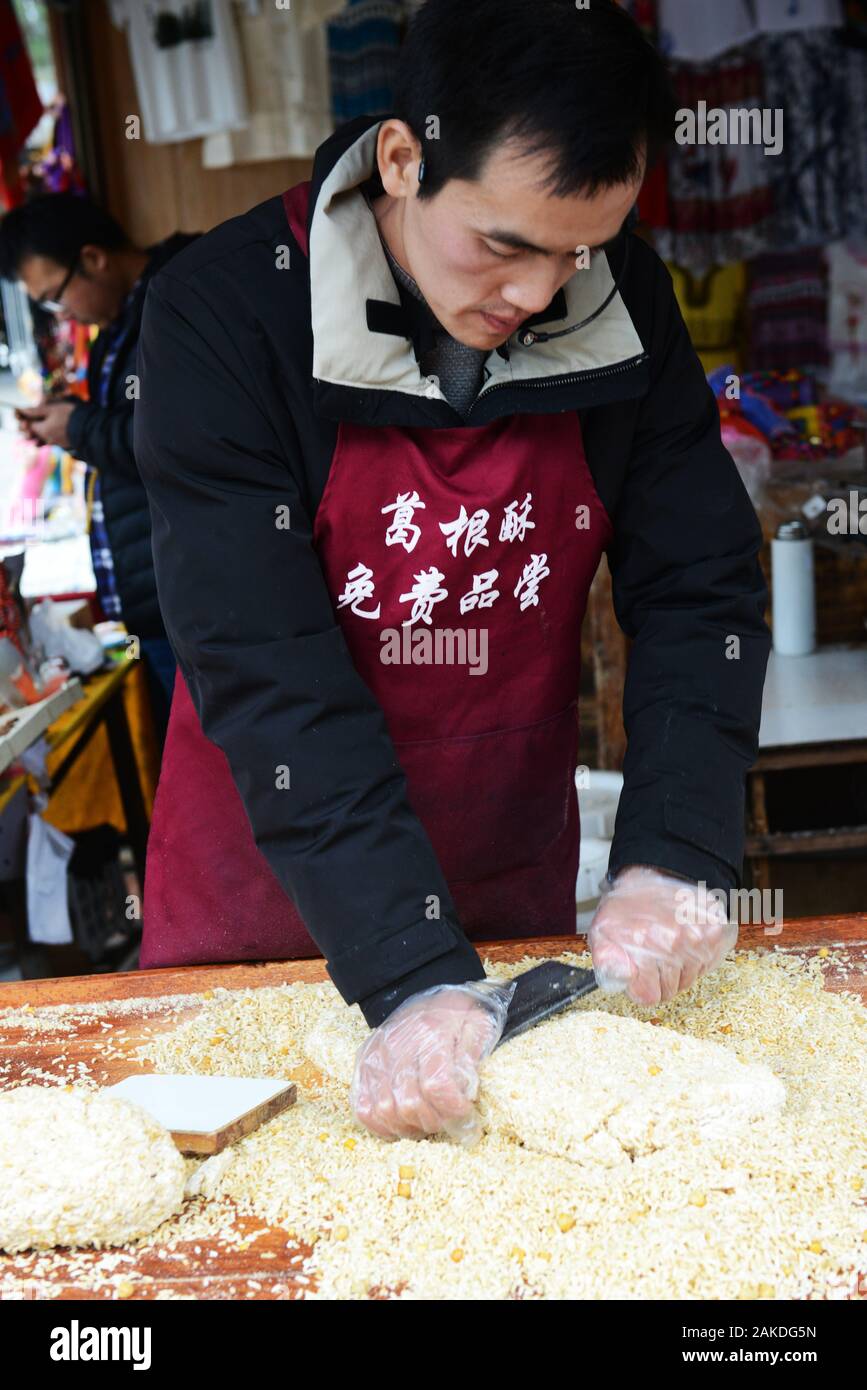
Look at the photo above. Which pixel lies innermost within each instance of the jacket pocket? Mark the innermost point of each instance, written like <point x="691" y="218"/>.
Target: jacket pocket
<point x="494" y="802"/>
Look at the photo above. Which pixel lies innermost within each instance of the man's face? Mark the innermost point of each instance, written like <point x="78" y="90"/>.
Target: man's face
<point x="488" y="254"/>
<point x="92" y="293"/>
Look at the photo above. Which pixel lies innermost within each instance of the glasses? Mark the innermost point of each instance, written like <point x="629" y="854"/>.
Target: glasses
<point x="54" y="305"/>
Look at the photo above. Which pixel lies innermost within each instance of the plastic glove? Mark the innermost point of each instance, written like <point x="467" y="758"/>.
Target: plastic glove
<point x="654" y="935"/>
<point x="418" y="1072"/>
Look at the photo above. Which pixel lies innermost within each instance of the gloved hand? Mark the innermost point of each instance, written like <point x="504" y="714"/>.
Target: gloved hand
<point x="654" y="935"/>
<point x="418" y="1074"/>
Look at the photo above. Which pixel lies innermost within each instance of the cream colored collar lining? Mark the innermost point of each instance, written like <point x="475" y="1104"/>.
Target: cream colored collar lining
<point x="348" y="266"/>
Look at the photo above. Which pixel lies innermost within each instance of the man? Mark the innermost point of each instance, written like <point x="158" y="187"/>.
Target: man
<point x="79" y="263"/>
<point x="354" y="458"/>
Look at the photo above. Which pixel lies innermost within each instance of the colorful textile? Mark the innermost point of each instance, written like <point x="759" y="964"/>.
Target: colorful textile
<point x="363" y="43"/>
<point x="811" y="176"/>
<point x="847" y="321"/>
<point x="823" y="431"/>
<point x="712" y="306"/>
<point x="721" y="206"/>
<point x="786" y="391"/>
<point x="787" y="303"/>
<point x="761" y="412"/>
<point x="20" y="103"/>
<point x="782" y="407"/>
<point x="57" y="169"/>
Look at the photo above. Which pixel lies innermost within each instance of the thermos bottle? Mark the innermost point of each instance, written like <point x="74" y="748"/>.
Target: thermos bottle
<point x="793" y="590"/>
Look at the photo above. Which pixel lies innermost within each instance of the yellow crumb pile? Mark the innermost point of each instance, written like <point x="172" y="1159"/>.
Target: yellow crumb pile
<point x="776" y="1208"/>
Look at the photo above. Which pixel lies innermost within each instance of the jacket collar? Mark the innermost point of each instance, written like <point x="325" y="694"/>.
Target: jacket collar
<point x="366" y="332"/>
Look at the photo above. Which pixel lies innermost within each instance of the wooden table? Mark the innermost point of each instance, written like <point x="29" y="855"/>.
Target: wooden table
<point x="229" y="1275"/>
<point x="71" y="733"/>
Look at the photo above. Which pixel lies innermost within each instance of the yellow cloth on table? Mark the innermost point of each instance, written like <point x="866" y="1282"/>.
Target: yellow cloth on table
<point x="89" y="794"/>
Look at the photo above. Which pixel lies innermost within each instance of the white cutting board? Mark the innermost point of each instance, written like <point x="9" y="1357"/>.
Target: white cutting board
<point x="205" y="1113"/>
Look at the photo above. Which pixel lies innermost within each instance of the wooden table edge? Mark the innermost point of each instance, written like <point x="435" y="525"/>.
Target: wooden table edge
<point x="799" y="934"/>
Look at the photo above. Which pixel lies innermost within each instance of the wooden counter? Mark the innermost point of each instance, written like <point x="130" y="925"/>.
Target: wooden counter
<point x="214" y="1269"/>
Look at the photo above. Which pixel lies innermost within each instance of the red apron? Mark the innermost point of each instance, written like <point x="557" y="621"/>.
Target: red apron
<point x="459" y="563"/>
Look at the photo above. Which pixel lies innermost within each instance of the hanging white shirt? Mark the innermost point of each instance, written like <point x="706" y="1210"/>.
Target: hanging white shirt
<point x="700" y="30"/>
<point x="285" y="61"/>
<point x="782" y="16"/>
<point x="192" y="87"/>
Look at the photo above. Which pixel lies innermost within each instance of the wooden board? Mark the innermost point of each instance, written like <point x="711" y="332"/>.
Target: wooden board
<point x="24" y="726"/>
<point x="226" y="1107"/>
<point x="268" y="1268"/>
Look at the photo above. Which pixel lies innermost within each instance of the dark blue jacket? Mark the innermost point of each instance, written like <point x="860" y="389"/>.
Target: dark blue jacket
<point x="102" y="436"/>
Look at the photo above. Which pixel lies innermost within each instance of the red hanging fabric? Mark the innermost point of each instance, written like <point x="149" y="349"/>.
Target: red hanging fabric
<point x="20" y="104"/>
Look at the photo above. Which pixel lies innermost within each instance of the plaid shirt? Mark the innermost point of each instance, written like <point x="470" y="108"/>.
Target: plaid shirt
<point x="100" y="546"/>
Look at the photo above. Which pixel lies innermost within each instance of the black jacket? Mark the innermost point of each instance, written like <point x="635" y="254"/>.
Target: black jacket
<point x="103" y="436"/>
<point x="244" y="379"/>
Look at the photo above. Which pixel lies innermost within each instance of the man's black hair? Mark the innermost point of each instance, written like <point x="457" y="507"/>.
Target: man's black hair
<point x="55" y="225"/>
<point x="583" y="86"/>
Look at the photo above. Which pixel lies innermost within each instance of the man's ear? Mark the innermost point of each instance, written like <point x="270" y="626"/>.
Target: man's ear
<point x="398" y="156"/>
<point x="94" y="259"/>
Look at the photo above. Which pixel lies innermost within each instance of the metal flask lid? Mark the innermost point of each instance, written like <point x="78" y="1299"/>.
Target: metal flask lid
<point x="792" y="531"/>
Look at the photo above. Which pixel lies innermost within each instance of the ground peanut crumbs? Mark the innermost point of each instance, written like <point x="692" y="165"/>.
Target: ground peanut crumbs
<point x="775" y="1210"/>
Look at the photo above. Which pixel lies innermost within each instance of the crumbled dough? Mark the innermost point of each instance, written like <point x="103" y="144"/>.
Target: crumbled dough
<point x="775" y="1209"/>
<point x="592" y="1087"/>
<point x="82" y="1169"/>
<point x="333" y="1041"/>
<point x="205" y="1178"/>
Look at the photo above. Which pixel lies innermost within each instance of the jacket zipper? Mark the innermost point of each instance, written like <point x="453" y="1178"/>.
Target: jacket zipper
<point x="591" y="375"/>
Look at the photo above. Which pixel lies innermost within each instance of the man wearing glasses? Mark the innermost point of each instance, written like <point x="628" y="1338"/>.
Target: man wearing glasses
<point x="391" y="420"/>
<point x="78" y="263"/>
